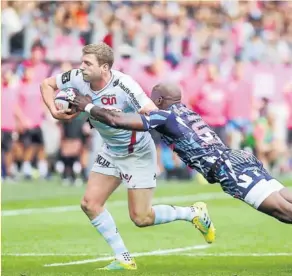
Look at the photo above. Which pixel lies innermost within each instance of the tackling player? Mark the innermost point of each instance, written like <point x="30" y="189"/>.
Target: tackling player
<point x="128" y="156"/>
<point x="239" y="173"/>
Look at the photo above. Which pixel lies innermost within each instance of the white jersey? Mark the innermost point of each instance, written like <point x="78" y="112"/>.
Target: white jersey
<point x="121" y="92"/>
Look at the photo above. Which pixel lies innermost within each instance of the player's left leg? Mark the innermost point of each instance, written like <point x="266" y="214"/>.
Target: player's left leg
<point x="138" y="171"/>
<point x="244" y="177"/>
<point x="277" y="206"/>
<point x="6" y="153"/>
<point x="144" y="214"/>
<point x="28" y="152"/>
<point x="38" y="144"/>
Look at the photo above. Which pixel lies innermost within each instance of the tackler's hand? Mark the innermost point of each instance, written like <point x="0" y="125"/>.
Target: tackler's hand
<point x="80" y="101"/>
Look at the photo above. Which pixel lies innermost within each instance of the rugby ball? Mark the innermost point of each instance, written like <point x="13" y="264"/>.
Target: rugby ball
<point x="61" y="101"/>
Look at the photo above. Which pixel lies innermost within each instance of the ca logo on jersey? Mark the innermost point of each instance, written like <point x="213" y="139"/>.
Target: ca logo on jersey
<point x="109" y="100"/>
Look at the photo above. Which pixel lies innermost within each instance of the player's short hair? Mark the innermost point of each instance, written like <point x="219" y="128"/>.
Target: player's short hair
<point x="103" y="53"/>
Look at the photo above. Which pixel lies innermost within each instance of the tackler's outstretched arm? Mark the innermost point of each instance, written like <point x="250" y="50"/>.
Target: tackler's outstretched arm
<point x="118" y="119"/>
<point x="111" y="117"/>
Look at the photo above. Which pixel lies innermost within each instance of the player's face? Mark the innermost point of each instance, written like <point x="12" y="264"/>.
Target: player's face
<point x="91" y="70"/>
<point x="156" y="97"/>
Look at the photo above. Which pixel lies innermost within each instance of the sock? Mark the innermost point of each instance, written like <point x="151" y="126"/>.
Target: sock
<point x="14" y="169"/>
<point x="105" y="225"/>
<point x="43" y="168"/>
<point x="59" y="167"/>
<point x="77" y="167"/>
<point x="27" y="168"/>
<point x="67" y="173"/>
<point x="168" y="213"/>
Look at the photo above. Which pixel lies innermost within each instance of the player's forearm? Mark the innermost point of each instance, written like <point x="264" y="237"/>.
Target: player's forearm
<point x="48" y="94"/>
<point x="116" y="119"/>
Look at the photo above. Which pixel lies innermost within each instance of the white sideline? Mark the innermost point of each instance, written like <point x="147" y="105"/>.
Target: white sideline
<point x="137" y="254"/>
<point x="235" y="254"/>
<point x="31" y="254"/>
<point x="117" y="203"/>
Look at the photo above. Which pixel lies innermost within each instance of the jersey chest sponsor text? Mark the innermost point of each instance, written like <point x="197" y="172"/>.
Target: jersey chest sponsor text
<point x="108" y="100"/>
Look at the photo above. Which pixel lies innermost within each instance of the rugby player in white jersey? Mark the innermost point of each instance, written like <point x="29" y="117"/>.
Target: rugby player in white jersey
<point x="128" y="156"/>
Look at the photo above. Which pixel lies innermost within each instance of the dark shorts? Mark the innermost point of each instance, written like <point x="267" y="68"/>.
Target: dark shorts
<point x="6" y="140"/>
<point x="31" y="137"/>
<point x="243" y="176"/>
<point x="73" y="129"/>
<point x="290" y="137"/>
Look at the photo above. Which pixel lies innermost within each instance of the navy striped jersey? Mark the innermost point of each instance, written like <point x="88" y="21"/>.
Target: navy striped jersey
<point x="188" y="135"/>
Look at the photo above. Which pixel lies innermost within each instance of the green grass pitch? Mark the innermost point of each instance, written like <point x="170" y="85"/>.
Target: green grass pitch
<point x="45" y="233"/>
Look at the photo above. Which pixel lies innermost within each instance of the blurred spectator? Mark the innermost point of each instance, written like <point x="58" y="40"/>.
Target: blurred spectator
<point x="256" y="30"/>
<point x="288" y="97"/>
<point x="153" y="72"/>
<point x="31" y="108"/>
<point x="12" y="28"/>
<point x="265" y="145"/>
<point x="240" y="106"/>
<point x="9" y="103"/>
<point x="210" y="101"/>
<point x="36" y="61"/>
<point x="192" y="80"/>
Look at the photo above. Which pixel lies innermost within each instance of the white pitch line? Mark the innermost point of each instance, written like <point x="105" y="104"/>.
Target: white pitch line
<point x="235" y="254"/>
<point x="137" y="254"/>
<point x="30" y="254"/>
<point x="118" y="203"/>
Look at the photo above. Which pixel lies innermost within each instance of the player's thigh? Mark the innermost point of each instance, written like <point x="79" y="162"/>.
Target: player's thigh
<point x="138" y="173"/>
<point x="275" y="204"/>
<point x="98" y="189"/>
<point x="138" y="170"/>
<point x="103" y="180"/>
<point x="262" y="190"/>
<point x="251" y="186"/>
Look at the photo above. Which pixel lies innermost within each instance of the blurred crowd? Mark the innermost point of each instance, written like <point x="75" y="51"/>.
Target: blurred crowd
<point x="232" y="60"/>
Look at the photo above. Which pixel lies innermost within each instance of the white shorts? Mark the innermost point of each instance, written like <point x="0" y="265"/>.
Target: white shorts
<point x="261" y="191"/>
<point x="137" y="170"/>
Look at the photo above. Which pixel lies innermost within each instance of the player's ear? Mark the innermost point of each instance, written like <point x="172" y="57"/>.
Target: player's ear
<point x="159" y="101"/>
<point x="105" y="67"/>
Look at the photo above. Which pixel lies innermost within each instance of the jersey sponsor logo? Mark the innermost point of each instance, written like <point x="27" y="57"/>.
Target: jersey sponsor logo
<point x="102" y="161"/>
<point x="106" y="100"/>
<point x="66" y="77"/>
<point x="131" y="95"/>
<point x="116" y="82"/>
<point x="126" y="177"/>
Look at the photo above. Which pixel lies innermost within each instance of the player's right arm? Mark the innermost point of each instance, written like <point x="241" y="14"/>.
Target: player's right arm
<point x="48" y="89"/>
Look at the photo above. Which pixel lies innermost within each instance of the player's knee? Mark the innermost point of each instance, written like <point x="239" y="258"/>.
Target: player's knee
<point x="141" y="219"/>
<point x="90" y="207"/>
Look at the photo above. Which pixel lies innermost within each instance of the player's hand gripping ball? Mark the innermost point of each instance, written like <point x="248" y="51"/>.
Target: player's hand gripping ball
<point x="63" y="98"/>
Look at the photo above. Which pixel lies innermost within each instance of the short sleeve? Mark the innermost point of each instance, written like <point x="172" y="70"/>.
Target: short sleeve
<point x="155" y="119"/>
<point x="69" y="79"/>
